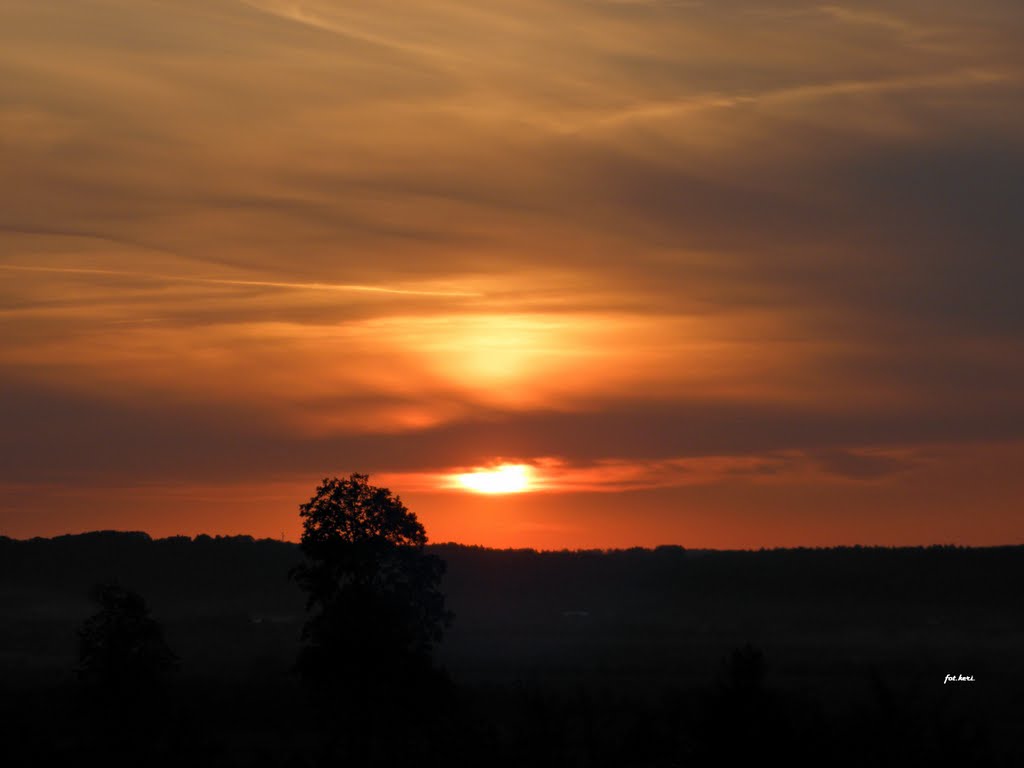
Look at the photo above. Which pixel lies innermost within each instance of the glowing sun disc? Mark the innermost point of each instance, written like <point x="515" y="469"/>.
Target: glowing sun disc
<point x="508" y="478"/>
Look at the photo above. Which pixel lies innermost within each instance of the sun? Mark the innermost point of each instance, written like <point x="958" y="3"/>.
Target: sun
<point x="506" y="478"/>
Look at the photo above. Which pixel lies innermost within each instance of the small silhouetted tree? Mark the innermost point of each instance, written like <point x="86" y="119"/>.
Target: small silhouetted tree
<point x="741" y="718"/>
<point x="124" y="666"/>
<point x="374" y="603"/>
<point x="741" y="675"/>
<point x="121" y="648"/>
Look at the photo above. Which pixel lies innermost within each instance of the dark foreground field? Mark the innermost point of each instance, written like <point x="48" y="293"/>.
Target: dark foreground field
<point x="628" y="658"/>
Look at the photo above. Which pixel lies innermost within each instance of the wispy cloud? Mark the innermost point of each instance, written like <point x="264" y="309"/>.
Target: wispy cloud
<point x="242" y="283"/>
<point x="802" y="93"/>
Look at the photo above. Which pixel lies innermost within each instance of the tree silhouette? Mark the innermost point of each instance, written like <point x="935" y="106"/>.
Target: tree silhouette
<point x="742" y="719"/>
<point x="375" y="609"/>
<point x="121" y="648"/>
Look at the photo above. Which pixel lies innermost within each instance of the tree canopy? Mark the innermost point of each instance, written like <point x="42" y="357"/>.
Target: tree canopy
<point x="375" y="607"/>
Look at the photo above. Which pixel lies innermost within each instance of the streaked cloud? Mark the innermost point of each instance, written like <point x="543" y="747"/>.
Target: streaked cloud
<point x="237" y="282"/>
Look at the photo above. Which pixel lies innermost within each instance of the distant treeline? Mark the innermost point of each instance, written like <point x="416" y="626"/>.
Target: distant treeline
<point x="938" y="582"/>
<point x="522" y="607"/>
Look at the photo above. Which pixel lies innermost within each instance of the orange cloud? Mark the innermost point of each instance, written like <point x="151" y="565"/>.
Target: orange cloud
<point x="682" y="248"/>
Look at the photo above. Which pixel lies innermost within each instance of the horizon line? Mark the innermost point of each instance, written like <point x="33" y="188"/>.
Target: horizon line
<point x="601" y="550"/>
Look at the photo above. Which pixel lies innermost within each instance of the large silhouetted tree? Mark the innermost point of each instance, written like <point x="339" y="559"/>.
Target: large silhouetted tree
<point x="375" y="608"/>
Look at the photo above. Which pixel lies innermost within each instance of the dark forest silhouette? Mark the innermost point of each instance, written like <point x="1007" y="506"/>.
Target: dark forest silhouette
<point x="583" y="658"/>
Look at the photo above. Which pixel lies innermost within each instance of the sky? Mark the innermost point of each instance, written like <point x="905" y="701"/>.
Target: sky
<point x="729" y="274"/>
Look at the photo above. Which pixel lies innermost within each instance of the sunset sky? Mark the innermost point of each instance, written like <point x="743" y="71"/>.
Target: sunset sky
<point x="723" y="274"/>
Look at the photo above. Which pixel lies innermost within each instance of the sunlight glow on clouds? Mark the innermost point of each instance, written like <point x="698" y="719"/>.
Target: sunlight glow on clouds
<point x="505" y="478"/>
<point x="652" y="247"/>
